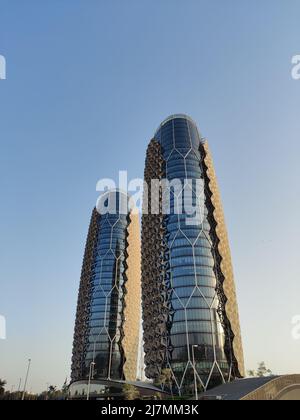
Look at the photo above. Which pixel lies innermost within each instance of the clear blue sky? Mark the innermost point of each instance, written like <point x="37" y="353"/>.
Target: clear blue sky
<point x="88" y="82"/>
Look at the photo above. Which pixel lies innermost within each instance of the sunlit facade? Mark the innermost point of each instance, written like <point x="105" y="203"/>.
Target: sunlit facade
<point x="190" y="313"/>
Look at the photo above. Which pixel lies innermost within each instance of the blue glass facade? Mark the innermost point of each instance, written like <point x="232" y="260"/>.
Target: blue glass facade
<point x="195" y="337"/>
<point x="106" y="310"/>
<point x="102" y="303"/>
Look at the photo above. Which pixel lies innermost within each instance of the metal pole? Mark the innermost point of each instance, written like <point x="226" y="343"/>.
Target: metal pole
<point x="195" y="377"/>
<point x="25" y="383"/>
<point x="19" y="387"/>
<point x="89" y="383"/>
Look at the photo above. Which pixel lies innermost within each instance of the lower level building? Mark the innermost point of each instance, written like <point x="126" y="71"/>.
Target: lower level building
<point x="272" y="388"/>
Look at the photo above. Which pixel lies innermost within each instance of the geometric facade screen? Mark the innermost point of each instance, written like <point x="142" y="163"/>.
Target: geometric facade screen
<point x="106" y="337"/>
<point x="190" y="312"/>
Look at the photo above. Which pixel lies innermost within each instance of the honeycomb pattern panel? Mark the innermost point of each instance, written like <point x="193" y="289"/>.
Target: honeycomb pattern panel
<point x="231" y="307"/>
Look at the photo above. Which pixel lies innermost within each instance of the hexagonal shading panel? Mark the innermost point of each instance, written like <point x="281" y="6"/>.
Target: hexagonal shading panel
<point x="82" y="314"/>
<point x="215" y="377"/>
<point x="193" y="160"/>
<point x="98" y="297"/>
<point x="202" y="241"/>
<point x="181" y="147"/>
<point x="178" y="239"/>
<point x="197" y="300"/>
<point x="194" y="137"/>
<point x="226" y="286"/>
<point x="175" y="166"/>
<point x="188" y="381"/>
<point x="106" y="223"/>
<point x="179" y="371"/>
<point x="176" y="301"/>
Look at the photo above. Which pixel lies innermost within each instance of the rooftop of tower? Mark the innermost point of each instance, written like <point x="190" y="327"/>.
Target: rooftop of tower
<point x="174" y="117"/>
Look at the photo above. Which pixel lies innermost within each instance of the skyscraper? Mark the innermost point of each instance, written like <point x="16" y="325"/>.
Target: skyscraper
<point x="106" y="337"/>
<point x="190" y="312"/>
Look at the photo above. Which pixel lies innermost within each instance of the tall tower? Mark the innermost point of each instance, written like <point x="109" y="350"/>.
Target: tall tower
<point x="107" y="325"/>
<point x="190" y="312"/>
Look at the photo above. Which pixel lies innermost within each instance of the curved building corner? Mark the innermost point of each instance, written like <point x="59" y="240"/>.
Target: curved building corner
<point x="107" y="329"/>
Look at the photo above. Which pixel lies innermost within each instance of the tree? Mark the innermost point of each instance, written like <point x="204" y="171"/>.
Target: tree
<point x="261" y="372"/>
<point x="52" y="392"/>
<point x="2" y="386"/>
<point x="65" y="388"/>
<point x="166" y="378"/>
<point x="130" y="392"/>
<point x="157" y="396"/>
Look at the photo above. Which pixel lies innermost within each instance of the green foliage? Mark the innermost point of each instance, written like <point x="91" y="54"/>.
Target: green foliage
<point x="157" y="396"/>
<point x="130" y="392"/>
<point x="52" y="393"/>
<point x="166" y="378"/>
<point x="262" y="371"/>
<point x="2" y="386"/>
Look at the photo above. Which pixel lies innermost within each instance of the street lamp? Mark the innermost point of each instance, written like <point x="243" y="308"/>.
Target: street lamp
<point x="25" y="383"/>
<point x="90" y="376"/>
<point x="194" y="364"/>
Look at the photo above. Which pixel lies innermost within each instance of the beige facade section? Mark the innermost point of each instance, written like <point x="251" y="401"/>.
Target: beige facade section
<point x="226" y="264"/>
<point x="132" y="312"/>
<point x="283" y="388"/>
